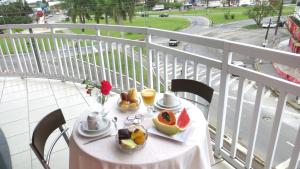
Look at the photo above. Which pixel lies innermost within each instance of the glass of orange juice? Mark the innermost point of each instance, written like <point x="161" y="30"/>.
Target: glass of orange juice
<point x="148" y="96"/>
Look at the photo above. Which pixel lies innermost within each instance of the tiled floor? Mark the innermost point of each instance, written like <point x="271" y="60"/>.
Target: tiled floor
<point x="23" y="102"/>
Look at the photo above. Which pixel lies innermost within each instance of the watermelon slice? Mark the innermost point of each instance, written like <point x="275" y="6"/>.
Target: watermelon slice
<point x="183" y="120"/>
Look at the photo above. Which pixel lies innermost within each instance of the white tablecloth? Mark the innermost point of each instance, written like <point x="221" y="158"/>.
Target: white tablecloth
<point x="158" y="153"/>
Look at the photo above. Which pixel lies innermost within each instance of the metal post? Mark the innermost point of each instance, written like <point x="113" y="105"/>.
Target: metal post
<point x="36" y="53"/>
<point x="278" y="18"/>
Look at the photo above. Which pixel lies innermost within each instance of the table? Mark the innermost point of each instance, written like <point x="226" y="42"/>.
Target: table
<point x="158" y="153"/>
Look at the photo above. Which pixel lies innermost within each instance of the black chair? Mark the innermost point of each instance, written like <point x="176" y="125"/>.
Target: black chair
<point x="5" y="160"/>
<point x="195" y="87"/>
<point x="51" y="122"/>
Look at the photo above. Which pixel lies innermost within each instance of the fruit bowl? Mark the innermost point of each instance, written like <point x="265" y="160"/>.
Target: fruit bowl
<point x="126" y="106"/>
<point x="129" y="101"/>
<point x="131" y="138"/>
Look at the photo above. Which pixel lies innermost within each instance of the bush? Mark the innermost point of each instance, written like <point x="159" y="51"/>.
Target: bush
<point x="226" y="16"/>
<point x="174" y="5"/>
<point x="16" y="20"/>
<point x="232" y="16"/>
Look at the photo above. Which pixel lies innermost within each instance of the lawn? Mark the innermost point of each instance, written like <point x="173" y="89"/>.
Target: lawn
<point x="172" y="23"/>
<point x="216" y="15"/>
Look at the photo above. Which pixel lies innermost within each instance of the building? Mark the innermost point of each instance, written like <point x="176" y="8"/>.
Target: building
<point x="3" y="2"/>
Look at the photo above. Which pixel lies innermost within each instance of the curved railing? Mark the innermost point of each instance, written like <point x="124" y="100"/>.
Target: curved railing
<point x="53" y="51"/>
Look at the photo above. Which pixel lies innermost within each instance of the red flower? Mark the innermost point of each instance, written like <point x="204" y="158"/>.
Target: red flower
<point x="105" y="87"/>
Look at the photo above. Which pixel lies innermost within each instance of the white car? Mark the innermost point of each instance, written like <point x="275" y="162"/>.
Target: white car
<point x="266" y="24"/>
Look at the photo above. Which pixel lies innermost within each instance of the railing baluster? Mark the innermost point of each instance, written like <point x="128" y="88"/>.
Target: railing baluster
<point x="166" y="72"/>
<point x="28" y="54"/>
<point x="81" y="58"/>
<point x="64" y="56"/>
<point x="133" y="66"/>
<point x="16" y="53"/>
<point x="39" y="54"/>
<point x="107" y="60"/>
<point x="4" y="60"/>
<point x="95" y="63"/>
<point x="175" y="67"/>
<point x="9" y="54"/>
<point x="56" y="48"/>
<point x="141" y="68"/>
<point x="87" y="56"/>
<point x="114" y="64"/>
<point x="237" y="117"/>
<point x="275" y="130"/>
<point x="76" y="59"/>
<point x="126" y="66"/>
<point x="101" y="59"/>
<point x="296" y="153"/>
<point x="150" y="68"/>
<point x="22" y="53"/>
<point x="34" y="55"/>
<point x="51" y="54"/>
<point x="70" y="58"/>
<point x="208" y="75"/>
<point x="223" y="97"/>
<point x="254" y="126"/>
<point x="119" y="47"/>
<point x="45" y="54"/>
<point x="157" y="71"/>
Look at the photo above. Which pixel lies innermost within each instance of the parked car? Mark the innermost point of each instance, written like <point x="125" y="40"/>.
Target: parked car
<point x="163" y="15"/>
<point x="273" y="24"/>
<point x="173" y="42"/>
<point x="238" y="63"/>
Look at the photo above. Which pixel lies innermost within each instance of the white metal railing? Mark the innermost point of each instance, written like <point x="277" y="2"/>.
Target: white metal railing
<point x="139" y="63"/>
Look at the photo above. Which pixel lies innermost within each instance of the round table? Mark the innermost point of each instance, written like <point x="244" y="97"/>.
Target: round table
<point x="158" y="153"/>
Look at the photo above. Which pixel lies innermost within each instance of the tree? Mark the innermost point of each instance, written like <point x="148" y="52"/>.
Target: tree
<point x="79" y="9"/>
<point x="259" y="11"/>
<point x="15" y="13"/>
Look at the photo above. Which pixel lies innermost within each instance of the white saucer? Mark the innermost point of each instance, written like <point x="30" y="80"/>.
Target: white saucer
<point x="102" y="132"/>
<point x="177" y="108"/>
<point x="103" y="125"/>
<point x="161" y="104"/>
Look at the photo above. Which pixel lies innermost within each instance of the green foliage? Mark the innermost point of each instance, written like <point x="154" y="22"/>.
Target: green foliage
<point x="226" y="16"/>
<point x="15" y="13"/>
<point x="293" y="1"/>
<point x="259" y="11"/>
<point x="175" y="5"/>
<point x="232" y="16"/>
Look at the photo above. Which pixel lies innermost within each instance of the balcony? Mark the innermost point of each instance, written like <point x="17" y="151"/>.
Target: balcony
<point x="41" y="71"/>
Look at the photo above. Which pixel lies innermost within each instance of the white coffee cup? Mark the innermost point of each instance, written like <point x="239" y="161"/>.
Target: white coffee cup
<point x="169" y="99"/>
<point x="92" y="120"/>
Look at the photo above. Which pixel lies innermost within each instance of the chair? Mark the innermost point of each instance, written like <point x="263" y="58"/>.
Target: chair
<point x="43" y="130"/>
<point x="5" y="160"/>
<point x="194" y="87"/>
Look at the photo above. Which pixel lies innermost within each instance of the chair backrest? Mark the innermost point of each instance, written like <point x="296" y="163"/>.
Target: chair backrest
<point x="192" y="86"/>
<point x="42" y="131"/>
<point x="5" y="160"/>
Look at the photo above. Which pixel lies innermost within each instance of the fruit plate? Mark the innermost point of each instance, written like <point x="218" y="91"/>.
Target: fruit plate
<point x="180" y="137"/>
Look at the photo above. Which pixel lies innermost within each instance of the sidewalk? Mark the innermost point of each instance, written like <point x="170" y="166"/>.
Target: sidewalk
<point x="281" y="71"/>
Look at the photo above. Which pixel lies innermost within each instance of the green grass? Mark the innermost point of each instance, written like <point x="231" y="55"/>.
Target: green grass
<point x="172" y="24"/>
<point x="252" y="26"/>
<point x="216" y="15"/>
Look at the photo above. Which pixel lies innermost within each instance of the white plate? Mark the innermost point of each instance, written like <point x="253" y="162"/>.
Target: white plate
<point x="104" y="125"/>
<point x="161" y="104"/>
<point x="166" y="108"/>
<point x="86" y="134"/>
<point x="180" y="137"/>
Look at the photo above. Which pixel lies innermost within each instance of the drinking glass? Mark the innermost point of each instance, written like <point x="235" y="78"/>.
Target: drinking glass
<point x="148" y="96"/>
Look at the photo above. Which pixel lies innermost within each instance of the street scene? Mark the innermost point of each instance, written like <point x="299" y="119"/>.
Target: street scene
<point x="199" y="18"/>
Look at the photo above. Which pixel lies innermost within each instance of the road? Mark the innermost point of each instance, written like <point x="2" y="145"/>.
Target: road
<point x="234" y="32"/>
